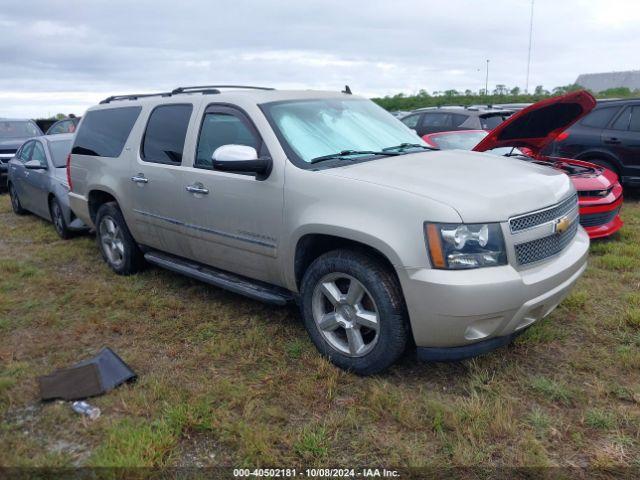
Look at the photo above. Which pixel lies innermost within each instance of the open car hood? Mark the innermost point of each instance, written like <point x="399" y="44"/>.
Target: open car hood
<point x="539" y="124"/>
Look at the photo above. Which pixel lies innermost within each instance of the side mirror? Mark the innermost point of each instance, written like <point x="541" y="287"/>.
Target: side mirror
<point x="241" y="159"/>
<point x="34" y="165"/>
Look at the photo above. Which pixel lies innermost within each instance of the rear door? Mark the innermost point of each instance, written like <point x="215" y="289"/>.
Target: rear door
<point x="234" y="220"/>
<point x="156" y="177"/>
<point x="622" y="137"/>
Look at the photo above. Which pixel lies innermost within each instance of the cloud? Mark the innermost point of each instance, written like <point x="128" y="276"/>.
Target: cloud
<point x="72" y="54"/>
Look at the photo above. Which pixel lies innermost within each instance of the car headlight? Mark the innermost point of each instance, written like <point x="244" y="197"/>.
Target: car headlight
<point x="460" y="246"/>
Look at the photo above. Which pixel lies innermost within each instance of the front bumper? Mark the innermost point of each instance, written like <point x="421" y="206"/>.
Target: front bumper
<point x="461" y="308"/>
<point x="4" y="168"/>
<point x="601" y="219"/>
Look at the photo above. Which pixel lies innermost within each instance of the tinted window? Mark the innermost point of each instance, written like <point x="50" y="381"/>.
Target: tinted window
<point x="599" y="118"/>
<point x="38" y="154"/>
<point x="166" y="131"/>
<point x="221" y="129"/>
<point x="25" y="151"/>
<point x="435" y="120"/>
<point x="457" y="119"/>
<point x="59" y="151"/>
<point x="491" y="122"/>
<point x="103" y="133"/>
<point x="18" y="129"/>
<point x="411" y="121"/>
<point x="634" y="126"/>
<point x="622" y="122"/>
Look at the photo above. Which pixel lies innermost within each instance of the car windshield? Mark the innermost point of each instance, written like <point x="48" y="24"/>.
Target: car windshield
<point x="59" y="151"/>
<point x="466" y="140"/>
<point x="323" y="127"/>
<point x="18" y="129"/>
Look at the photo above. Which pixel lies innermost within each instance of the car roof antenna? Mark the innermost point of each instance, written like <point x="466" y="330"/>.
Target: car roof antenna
<point x="347" y="90"/>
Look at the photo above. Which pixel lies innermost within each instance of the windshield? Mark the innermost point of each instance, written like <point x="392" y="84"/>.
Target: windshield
<point x="466" y="140"/>
<point x="59" y="151"/>
<point x="323" y="127"/>
<point x="18" y="129"/>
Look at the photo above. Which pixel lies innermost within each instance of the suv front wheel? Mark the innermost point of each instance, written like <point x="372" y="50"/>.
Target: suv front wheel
<point x="353" y="309"/>
<point x="118" y="247"/>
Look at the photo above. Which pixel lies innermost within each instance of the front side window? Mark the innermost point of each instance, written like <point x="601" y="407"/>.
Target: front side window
<point x="166" y="131"/>
<point x="104" y="132"/>
<point x="411" y="121"/>
<point x="309" y="129"/>
<point x="18" y="129"/>
<point x="219" y="129"/>
<point x="25" y="151"/>
<point x="66" y="126"/>
<point x="38" y="154"/>
<point x="458" y="119"/>
<point x="492" y="121"/>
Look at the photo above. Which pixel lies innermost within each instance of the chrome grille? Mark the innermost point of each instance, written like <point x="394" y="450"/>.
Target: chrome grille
<point x="529" y="220"/>
<point x="541" y="248"/>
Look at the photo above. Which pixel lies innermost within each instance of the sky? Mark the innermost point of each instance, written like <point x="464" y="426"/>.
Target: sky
<point x="64" y="56"/>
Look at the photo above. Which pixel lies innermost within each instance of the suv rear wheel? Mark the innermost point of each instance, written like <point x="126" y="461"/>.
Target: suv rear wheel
<point x="354" y="311"/>
<point x="118" y="247"/>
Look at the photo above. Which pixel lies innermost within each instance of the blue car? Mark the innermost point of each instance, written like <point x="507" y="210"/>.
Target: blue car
<point x="13" y="133"/>
<point x="37" y="182"/>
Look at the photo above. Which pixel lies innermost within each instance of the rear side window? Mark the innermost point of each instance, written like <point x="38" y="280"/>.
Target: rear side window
<point x="166" y="131"/>
<point x="436" y="120"/>
<point x="492" y="121"/>
<point x="622" y="122"/>
<point x="59" y="151"/>
<point x="222" y="129"/>
<point x="599" y="118"/>
<point x="457" y="119"/>
<point x="103" y="133"/>
<point x="634" y="125"/>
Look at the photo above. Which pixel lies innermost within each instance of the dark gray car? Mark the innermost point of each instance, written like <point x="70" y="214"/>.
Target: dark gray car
<point x="13" y="133"/>
<point x="38" y="182"/>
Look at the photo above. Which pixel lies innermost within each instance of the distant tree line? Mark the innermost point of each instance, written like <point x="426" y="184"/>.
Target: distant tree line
<point x="501" y="94"/>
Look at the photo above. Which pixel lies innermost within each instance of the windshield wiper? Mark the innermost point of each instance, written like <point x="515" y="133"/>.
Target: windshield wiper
<point x="405" y="146"/>
<point x="348" y="153"/>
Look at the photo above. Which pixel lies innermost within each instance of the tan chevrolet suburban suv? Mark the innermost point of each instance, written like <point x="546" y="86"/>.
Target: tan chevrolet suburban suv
<point x="325" y="199"/>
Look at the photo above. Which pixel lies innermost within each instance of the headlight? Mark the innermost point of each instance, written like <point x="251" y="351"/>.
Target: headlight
<point x="459" y="246"/>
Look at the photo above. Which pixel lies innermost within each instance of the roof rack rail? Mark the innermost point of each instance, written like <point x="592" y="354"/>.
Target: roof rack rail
<point x="134" y="96"/>
<point x="213" y="89"/>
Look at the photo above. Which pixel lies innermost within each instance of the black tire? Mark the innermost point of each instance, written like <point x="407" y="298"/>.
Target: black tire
<point x="58" y="220"/>
<point x="132" y="259"/>
<point x="15" y="201"/>
<point x="383" y="288"/>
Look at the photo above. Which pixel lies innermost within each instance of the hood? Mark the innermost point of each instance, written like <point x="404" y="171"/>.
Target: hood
<point x="480" y="187"/>
<point x="12" y="143"/>
<point x="539" y="124"/>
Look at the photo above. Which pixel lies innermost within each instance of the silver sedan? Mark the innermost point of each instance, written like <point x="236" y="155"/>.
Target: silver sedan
<point x="37" y="182"/>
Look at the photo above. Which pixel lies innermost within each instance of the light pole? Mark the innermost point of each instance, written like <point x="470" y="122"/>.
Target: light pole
<point x="486" y="80"/>
<point x="526" y="86"/>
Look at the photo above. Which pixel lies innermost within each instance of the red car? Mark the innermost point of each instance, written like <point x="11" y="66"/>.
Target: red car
<point x="525" y="134"/>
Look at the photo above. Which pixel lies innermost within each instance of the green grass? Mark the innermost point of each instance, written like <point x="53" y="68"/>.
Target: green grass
<point x="228" y="381"/>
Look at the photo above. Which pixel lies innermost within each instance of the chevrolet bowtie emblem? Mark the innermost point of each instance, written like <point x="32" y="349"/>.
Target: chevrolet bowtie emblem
<point x="562" y="225"/>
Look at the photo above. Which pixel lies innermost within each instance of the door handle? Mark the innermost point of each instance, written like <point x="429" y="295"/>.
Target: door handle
<point x="612" y="141"/>
<point x="197" y="188"/>
<point x="140" y="178"/>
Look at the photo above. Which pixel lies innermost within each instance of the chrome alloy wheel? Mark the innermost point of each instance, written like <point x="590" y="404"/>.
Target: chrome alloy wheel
<point x="346" y="314"/>
<point x="58" y="219"/>
<point x="112" y="241"/>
